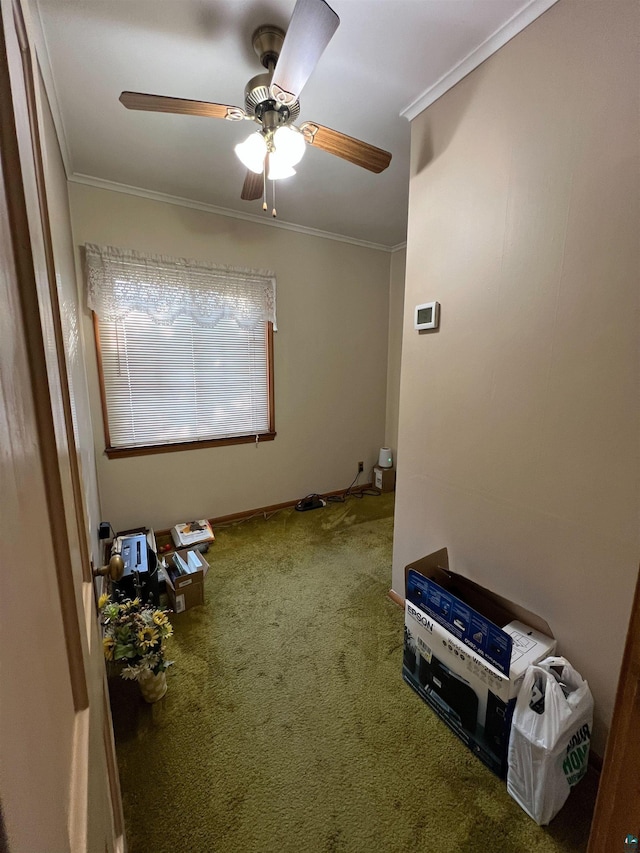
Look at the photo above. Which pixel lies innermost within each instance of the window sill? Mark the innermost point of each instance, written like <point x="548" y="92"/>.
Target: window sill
<point x="124" y="452"/>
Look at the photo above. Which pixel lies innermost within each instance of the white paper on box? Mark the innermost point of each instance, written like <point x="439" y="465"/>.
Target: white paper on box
<point x="193" y="561"/>
<point x="179" y="603"/>
<point x="529" y="647"/>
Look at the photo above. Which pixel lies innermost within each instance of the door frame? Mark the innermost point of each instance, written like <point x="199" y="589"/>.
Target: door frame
<point x="617" y="811"/>
<point x="44" y="395"/>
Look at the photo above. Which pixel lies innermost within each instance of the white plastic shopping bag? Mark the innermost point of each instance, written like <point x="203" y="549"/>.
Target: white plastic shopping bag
<point x="550" y="737"/>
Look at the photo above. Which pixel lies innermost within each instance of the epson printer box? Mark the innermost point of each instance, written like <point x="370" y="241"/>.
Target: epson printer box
<point x="466" y="650"/>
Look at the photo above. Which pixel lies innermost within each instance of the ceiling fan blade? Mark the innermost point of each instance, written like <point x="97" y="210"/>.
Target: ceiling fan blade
<point x="353" y="150"/>
<point x="182" y="106"/>
<point x="311" y="28"/>
<point x="252" y="187"/>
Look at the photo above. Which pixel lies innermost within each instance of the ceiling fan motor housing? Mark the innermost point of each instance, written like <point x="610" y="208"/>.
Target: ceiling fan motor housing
<point x="258" y="101"/>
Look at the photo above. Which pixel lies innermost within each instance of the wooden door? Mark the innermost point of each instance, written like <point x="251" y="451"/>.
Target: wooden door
<point x="617" y="813"/>
<point x="58" y="777"/>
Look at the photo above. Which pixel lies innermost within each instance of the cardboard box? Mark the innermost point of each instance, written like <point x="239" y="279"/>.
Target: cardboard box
<point x="466" y="650"/>
<point x="384" y="478"/>
<point x="186" y="591"/>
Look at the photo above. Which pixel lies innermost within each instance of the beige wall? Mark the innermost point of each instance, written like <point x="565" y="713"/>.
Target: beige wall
<point x="519" y="419"/>
<point x="330" y="364"/>
<point x="396" y="311"/>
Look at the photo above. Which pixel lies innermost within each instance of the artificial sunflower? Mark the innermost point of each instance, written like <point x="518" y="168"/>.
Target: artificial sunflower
<point x="148" y="636"/>
<point x="134" y="636"/>
<point x="108" y="643"/>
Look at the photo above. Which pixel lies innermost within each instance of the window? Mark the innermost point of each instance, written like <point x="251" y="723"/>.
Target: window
<point x="185" y="351"/>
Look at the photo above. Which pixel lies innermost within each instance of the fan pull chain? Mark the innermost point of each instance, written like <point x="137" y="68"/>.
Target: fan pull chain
<point x="273" y="212"/>
<point x="264" y="185"/>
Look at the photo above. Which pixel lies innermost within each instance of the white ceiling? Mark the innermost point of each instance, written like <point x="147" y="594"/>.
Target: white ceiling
<point x="388" y="59"/>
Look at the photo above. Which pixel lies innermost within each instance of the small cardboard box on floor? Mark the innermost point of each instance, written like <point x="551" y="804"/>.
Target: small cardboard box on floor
<point x="466" y="650"/>
<point x="187" y="590"/>
<point x="384" y="478"/>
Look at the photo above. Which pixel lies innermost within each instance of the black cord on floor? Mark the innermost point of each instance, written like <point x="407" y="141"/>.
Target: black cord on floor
<point x="341" y="498"/>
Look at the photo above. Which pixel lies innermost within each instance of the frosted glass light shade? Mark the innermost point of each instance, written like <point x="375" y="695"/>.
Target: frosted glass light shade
<point x="279" y="167"/>
<point x="289" y="143"/>
<point x="252" y="151"/>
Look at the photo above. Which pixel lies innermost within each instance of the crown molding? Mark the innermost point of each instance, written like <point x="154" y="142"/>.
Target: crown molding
<point x="101" y="183"/>
<point x="490" y="45"/>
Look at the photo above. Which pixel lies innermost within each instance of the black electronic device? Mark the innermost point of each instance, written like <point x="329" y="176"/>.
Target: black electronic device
<point x="140" y="578"/>
<point x="496" y="727"/>
<point x="104" y="530"/>
<point x="310" y="502"/>
<point x="452" y="690"/>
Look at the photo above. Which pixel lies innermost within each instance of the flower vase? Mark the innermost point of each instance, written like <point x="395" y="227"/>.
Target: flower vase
<point x="152" y="686"/>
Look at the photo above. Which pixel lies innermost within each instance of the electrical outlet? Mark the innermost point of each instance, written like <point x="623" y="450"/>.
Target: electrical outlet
<point x="360" y="467"/>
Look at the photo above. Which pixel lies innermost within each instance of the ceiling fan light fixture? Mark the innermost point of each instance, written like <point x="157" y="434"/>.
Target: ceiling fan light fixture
<point x="271" y="100"/>
<point x="252" y="152"/>
<point x="289" y="144"/>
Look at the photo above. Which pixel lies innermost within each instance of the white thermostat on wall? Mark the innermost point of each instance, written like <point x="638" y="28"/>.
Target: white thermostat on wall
<point x="427" y="316"/>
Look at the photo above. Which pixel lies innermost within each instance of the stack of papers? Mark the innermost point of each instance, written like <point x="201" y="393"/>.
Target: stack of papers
<point x="192" y="533"/>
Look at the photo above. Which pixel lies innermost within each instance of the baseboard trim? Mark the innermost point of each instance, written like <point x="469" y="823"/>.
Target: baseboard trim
<point x="595" y="762"/>
<point x="263" y="510"/>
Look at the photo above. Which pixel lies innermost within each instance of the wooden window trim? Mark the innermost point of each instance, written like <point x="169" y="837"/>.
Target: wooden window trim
<point x="172" y="447"/>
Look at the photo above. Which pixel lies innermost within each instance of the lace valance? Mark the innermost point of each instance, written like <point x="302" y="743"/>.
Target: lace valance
<point x="121" y="281"/>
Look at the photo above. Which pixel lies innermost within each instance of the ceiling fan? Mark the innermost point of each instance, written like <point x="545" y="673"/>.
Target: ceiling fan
<point x="271" y="101"/>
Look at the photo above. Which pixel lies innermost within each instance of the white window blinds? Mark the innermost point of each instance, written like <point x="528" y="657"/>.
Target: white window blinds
<point x="184" y="348"/>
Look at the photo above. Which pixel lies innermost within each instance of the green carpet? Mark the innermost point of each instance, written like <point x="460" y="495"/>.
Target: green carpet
<point x="287" y="725"/>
